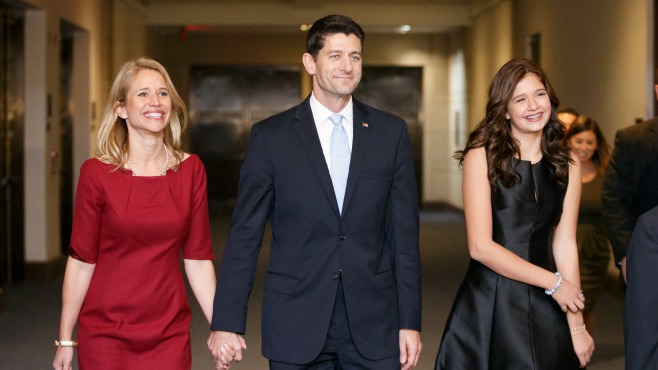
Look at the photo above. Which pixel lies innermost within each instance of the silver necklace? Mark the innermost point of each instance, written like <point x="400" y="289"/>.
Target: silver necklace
<point x="130" y="166"/>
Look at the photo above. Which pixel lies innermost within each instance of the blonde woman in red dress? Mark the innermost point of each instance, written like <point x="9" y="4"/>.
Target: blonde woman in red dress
<point x="140" y="204"/>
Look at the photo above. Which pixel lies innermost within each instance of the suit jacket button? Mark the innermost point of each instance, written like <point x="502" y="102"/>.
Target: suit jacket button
<point x="343" y="237"/>
<point x="334" y="276"/>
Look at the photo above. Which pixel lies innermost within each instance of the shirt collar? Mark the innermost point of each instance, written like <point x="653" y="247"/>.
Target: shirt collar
<point x="322" y="113"/>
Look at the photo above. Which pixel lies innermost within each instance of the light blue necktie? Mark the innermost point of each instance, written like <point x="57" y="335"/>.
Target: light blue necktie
<point x="339" y="150"/>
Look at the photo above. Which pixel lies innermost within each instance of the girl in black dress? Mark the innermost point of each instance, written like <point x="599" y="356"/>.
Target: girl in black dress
<point x="520" y="304"/>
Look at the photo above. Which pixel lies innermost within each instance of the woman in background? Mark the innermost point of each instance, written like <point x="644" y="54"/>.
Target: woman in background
<point x="520" y="304"/>
<point x="587" y="142"/>
<point x="140" y="204"/>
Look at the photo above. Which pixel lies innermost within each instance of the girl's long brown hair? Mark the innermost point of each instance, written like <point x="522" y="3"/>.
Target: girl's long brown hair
<point x="494" y="132"/>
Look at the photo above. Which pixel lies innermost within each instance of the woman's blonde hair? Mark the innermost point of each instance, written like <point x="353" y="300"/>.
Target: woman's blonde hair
<point x="113" y="132"/>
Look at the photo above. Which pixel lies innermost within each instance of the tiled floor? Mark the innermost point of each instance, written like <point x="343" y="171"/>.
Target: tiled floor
<point x="30" y="320"/>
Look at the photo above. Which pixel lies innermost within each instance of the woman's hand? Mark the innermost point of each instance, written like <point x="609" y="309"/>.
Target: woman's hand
<point x="63" y="358"/>
<point x="583" y="345"/>
<point x="569" y="297"/>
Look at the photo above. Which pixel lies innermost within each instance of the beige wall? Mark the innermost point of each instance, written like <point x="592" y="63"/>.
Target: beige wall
<point x="128" y="32"/>
<point x="38" y="182"/>
<point x="489" y="47"/>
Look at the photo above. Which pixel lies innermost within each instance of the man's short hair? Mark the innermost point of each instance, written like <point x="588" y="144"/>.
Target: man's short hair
<point x="330" y="25"/>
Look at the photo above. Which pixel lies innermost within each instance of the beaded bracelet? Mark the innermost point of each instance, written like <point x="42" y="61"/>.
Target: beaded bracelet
<point x="557" y="285"/>
<point x="578" y="329"/>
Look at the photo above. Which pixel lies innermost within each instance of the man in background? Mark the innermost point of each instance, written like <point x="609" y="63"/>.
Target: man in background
<point x="631" y="183"/>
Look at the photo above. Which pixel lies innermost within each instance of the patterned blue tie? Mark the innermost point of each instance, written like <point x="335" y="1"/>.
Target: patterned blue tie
<point x="339" y="150"/>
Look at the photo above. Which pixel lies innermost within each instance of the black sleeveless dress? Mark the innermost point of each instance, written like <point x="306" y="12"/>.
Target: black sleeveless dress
<point x="499" y="323"/>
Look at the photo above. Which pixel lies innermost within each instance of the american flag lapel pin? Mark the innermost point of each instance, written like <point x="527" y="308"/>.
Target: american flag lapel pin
<point x="364" y="124"/>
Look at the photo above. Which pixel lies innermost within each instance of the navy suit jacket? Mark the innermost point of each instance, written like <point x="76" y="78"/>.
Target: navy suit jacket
<point x="640" y="319"/>
<point x="373" y="246"/>
<point x="630" y="183"/>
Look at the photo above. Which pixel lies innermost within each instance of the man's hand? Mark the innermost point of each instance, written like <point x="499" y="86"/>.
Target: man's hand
<point x="410" y="347"/>
<point x="225" y="347"/>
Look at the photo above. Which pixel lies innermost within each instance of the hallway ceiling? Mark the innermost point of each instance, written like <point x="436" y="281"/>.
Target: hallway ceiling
<point x="378" y="16"/>
<point x="305" y="2"/>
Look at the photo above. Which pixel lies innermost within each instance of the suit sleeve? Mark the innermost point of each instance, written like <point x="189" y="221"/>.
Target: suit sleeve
<point x="236" y="273"/>
<point x="617" y="197"/>
<point x="640" y="320"/>
<point x="403" y="231"/>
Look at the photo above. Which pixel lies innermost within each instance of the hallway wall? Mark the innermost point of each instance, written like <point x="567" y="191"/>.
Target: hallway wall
<point x="489" y="46"/>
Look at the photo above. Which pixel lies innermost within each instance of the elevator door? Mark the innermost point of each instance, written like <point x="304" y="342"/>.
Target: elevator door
<point x="12" y="264"/>
<point x="67" y="32"/>
<point x="398" y="90"/>
<point x="224" y="102"/>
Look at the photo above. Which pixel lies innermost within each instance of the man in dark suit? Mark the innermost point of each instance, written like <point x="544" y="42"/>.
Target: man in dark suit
<point x="640" y="319"/>
<point x="630" y="183"/>
<point x="342" y="289"/>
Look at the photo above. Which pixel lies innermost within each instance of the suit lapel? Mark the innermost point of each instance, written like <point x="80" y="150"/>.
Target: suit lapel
<point x="360" y="141"/>
<point x="308" y="134"/>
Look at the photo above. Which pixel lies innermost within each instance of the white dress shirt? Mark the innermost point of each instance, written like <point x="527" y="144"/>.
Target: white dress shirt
<point x="325" y="126"/>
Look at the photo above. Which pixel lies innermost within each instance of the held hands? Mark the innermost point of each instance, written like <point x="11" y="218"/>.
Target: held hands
<point x="225" y="347"/>
<point x="569" y="297"/>
<point x="410" y="348"/>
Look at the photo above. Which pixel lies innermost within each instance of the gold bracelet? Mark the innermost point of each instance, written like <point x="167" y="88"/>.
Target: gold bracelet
<point x="578" y="329"/>
<point x="66" y="343"/>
